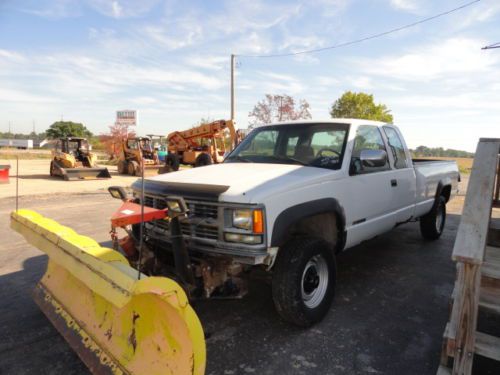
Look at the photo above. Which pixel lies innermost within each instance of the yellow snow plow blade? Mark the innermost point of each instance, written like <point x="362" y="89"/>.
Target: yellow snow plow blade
<point x="116" y="323"/>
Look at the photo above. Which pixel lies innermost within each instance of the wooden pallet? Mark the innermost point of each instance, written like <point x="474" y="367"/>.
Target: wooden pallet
<point x="477" y="254"/>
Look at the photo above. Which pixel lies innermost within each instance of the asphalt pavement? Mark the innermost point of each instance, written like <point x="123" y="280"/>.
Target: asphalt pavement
<point x="389" y="314"/>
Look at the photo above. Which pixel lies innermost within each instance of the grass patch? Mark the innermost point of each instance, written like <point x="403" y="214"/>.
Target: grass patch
<point x="24" y="155"/>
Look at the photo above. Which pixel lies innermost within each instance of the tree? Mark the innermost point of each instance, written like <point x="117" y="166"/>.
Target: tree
<point x="275" y="108"/>
<point x="61" y="129"/>
<point x="112" y="141"/>
<point x="360" y="105"/>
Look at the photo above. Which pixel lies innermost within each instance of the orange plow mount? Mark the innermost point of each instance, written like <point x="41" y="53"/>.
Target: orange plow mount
<point x="116" y="323"/>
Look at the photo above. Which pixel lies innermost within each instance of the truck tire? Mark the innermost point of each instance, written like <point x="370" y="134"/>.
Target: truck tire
<point x="122" y="167"/>
<point x="303" y="284"/>
<point x="432" y="224"/>
<point x="133" y="168"/>
<point x="203" y="160"/>
<point x="173" y="162"/>
<point x="52" y="169"/>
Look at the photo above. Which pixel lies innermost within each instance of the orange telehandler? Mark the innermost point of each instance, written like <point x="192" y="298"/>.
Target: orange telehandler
<point x="200" y="145"/>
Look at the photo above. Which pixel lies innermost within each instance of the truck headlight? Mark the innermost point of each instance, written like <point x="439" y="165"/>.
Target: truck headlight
<point x="242" y="219"/>
<point x="251" y="220"/>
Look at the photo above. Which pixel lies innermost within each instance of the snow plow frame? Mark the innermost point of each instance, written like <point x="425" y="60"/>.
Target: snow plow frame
<point x="116" y="323"/>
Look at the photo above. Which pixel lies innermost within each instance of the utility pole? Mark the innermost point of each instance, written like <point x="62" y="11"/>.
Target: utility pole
<point x="34" y="127"/>
<point x="10" y="134"/>
<point x="232" y="85"/>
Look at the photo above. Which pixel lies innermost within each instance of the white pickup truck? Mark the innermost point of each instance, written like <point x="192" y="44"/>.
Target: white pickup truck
<point x="293" y="195"/>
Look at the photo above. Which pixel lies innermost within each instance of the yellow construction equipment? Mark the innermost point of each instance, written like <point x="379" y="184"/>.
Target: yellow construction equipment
<point x="135" y="153"/>
<point x="117" y="323"/>
<point x="200" y="145"/>
<point x="72" y="160"/>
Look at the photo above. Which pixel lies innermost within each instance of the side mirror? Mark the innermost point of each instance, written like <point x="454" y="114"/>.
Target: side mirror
<point x="373" y="158"/>
<point x="118" y="192"/>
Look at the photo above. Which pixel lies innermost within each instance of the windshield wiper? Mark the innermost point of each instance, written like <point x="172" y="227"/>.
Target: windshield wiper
<point x="240" y="158"/>
<point x="289" y="159"/>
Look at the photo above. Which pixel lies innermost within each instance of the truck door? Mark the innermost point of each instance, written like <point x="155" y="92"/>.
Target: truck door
<point x="370" y="192"/>
<point x="403" y="183"/>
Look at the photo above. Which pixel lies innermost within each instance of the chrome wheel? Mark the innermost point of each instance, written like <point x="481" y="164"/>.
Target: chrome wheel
<point x="314" y="281"/>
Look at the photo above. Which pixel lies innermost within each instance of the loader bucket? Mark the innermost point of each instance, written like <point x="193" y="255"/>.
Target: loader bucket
<point x="70" y="174"/>
<point x="116" y="323"/>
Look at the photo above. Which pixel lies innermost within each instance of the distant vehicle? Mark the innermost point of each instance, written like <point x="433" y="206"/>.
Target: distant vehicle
<point x="132" y="151"/>
<point x="201" y="145"/>
<point x="21" y="144"/>
<point x="72" y="160"/>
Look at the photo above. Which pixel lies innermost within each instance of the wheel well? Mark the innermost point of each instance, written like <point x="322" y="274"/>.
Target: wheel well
<point x="446" y="192"/>
<point x="322" y="226"/>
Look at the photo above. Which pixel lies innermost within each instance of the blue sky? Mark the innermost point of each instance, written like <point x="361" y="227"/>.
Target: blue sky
<point x="84" y="60"/>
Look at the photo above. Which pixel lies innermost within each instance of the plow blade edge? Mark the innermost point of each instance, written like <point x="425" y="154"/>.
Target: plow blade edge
<point x="70" y="174"/>
<point x="116" y="323"/>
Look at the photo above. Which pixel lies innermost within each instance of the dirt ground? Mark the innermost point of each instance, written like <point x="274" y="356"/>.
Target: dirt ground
<point x="389" y="314"/>
<point x="34" y="179"/>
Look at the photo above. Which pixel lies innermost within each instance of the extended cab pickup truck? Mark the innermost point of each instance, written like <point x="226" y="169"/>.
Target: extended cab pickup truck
<point x="290" y="197"/>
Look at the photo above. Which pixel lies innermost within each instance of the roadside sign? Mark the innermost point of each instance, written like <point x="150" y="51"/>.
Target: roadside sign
<point x="126" y="117"/>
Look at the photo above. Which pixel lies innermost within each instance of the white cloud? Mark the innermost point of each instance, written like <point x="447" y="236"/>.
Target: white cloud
<point x="449" y="57"/>
<point x="406" y="5"/>
<point x="116" y="9"/>
<point x="208" y="62"/>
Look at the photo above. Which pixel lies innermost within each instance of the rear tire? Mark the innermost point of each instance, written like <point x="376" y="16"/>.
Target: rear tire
<point x="304" y="279"/>
<point x="432" y="224"/>
<point x="133" y="168"/>
<point x="173" y="162"/>
<point x="203" y="160"/>
<point x="52" y="169"/>
<point x="122" y="167"/>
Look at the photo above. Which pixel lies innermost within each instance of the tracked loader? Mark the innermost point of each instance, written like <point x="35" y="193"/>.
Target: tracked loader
<point x="72" y="160"/>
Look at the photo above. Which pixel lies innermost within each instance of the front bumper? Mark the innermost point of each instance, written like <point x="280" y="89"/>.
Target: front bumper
<point x="248" y="254"/>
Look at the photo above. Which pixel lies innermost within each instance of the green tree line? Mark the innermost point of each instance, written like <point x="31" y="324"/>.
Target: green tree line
<point x="423" y="151"/>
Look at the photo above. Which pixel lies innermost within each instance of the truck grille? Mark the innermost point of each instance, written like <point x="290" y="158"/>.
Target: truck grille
<point x="201" y="221"/>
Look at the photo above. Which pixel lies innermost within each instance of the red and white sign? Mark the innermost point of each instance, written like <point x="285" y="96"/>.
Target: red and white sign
<point x="126" y="117"/>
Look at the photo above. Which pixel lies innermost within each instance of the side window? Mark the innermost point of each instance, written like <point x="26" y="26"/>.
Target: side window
<point x="368" y="137"/>
<point x="397" y="149"/>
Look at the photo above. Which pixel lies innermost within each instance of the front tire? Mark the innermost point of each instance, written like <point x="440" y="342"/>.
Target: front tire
<point x="304" y="279"/>
<point x="122" y="167"/>
<point x="432" y="224"/>
<point x="202" y="160"/>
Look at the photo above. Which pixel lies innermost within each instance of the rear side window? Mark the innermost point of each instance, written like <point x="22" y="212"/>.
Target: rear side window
<point x="368" y="137"/>
<point x="397" y="149"/>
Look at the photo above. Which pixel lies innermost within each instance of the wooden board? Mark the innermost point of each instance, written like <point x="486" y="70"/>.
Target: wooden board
<point x="473" y="229"/>
<point x="488" y="346"/>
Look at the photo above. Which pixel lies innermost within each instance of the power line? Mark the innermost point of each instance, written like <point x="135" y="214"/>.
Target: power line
<point x="368" y="37"/>
<point x="491" y="46"/>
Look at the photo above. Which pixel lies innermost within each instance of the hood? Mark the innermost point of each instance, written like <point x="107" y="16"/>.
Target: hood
<point x="242" y="182"/>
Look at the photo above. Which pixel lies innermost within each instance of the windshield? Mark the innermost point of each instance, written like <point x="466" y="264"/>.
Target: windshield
<point x="314" y="145"/>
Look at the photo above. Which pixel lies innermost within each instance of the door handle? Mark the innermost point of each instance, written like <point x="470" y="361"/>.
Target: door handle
<point x="394" y="183"/>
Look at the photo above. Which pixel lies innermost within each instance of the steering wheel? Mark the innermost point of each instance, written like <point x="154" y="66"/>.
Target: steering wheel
<point x="320" y="152"/>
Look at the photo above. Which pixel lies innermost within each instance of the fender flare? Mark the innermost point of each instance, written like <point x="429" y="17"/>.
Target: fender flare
<point x="440" y="187"/>
<point x="293" y="214"/>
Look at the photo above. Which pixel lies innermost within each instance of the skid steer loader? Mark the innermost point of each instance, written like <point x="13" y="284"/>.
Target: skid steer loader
<point x="135" y="153"/>
<point x="72" y="160"/>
